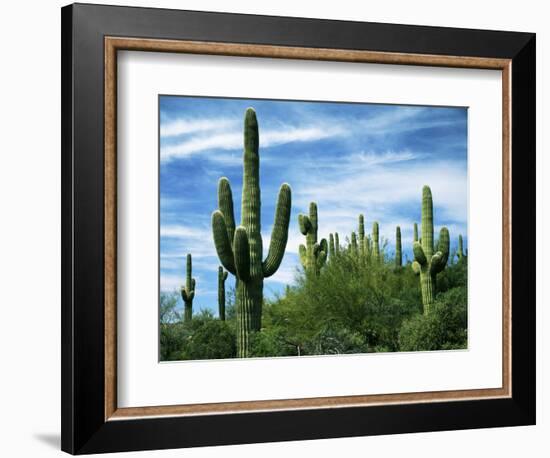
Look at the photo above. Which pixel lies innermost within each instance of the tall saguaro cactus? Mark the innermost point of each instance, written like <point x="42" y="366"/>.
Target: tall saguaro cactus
<point x="222" y="276"/>
<point x="313" y="255"/>
<point x="428" y="264"/>
<point x="375" y="252"/>
<point x="188" y="292"/>
<point x="398" y="255"/>
<point x="240" y="250"/>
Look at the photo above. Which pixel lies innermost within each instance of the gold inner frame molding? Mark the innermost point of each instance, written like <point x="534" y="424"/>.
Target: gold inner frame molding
<point x="114" y="44"/>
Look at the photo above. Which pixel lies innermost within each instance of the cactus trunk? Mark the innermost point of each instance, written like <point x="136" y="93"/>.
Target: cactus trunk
<point x="361" y="240"/>
<point x="426" y="263"/>
<point x="313" y="255"/>
<point x="398" y="255"/>
<point x="460" y="252"/>
<point x="188" y="292"/>
<point x="331" y="250"/>
<point x="222" y="276"/>
<point x="375" y="243"/>
<point x="240" y="250"/>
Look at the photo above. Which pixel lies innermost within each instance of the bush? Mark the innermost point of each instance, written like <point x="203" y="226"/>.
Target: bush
<point x="211" y="339"/>
<point x="445" y="328"/>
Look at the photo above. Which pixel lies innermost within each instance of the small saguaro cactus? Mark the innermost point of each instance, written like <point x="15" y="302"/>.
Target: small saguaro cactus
<point x="240" y="250"/>
<point x="313" y="255"/>
<point x="398" y="256"/>
<point x="188" y="292"/>
<point x="353" y="248"/>
<point x="375" y="251"/>
<point x="331" y="249"/>
<point x="428" y="264"/>
<point x="362" y="235"/>
<point x="460" y="253"/>
<point x="336" y="244"/>
<point x="222" y="276"/>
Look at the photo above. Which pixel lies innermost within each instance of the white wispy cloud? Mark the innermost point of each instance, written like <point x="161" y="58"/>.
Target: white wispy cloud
<point x="232" y="139"/>
<point x="183" y="126"/>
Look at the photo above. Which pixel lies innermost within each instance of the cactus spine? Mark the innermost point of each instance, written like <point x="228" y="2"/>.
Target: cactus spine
<point x="240" y="250"/>
<point x="398" y="256"/>
<point x="188" y="292"/>
<point x="375" y="251"/>
<point x="313" y="255"/>
<point x="428" y="264"/>
<point x="222" y="276"/>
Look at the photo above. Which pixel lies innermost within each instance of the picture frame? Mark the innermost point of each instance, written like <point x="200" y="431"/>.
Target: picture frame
<point x="92" y="35"/>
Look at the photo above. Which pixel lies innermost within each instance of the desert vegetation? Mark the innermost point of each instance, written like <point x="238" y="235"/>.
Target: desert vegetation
<point x="350" y="295"/>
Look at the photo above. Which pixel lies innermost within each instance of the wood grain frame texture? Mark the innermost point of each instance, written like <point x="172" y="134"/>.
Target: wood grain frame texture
<point x="114" y="44"/>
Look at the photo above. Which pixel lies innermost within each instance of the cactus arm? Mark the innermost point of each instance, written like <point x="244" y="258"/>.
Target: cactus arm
<point x="303" y="255"/>
<point x="279" y="234"/>
<point x="419" y="254"/>
<point x="304" y="223"/>
<point x="444" y="244"/>
<point x="415" y="233"/>
<point x="416" y="267"/>
<point x="427" y="222"/>
<point x="242" y="254"/>
<point x="225" y="205"/>
<point x="324" y="245"/>
<point x="336" y="243"/>
<point x="222" y="242"/>
<point x="321" y="259"/>
<point x="184" y="295"/>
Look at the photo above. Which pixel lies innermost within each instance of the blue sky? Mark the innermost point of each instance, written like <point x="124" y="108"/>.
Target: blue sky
<point x="349" y="158"/>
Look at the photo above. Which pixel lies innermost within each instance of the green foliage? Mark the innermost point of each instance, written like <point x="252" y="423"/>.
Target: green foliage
<point x="240" y="249"/>
<point x="444" y="328"/>
<point x="202" y="338"/>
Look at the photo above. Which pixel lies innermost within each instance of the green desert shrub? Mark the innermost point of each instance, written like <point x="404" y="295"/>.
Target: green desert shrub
<point x="211" y="339"/>
<point x="444" y="328"/>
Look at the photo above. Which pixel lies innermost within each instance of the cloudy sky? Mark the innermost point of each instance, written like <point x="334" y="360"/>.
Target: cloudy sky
<point x="349" y="158"/>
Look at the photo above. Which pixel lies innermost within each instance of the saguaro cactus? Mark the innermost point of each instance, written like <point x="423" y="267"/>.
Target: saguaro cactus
<point x="375" y="251"/>
<point x="362" y="235"/>
<point x="415" y="233"/>
<point x="398" y="256"/>
<point x="222" y="276"/>
<point x="428" y="264"/>
<point x="188" y="292"/>
<point x="336" y="243"/>
<point x="313" y="255"/>
<point x="240" y="250"/>
<point x="331" y="249"/>
<point x="460" y="253"/>
<point x="353" y="248"/>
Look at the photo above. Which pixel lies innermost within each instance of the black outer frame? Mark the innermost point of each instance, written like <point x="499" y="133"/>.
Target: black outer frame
<point x="84" y="429"/>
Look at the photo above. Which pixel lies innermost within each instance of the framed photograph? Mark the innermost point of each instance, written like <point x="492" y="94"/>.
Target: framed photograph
<point x="275" y="222"/>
